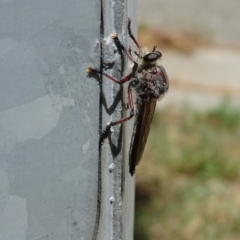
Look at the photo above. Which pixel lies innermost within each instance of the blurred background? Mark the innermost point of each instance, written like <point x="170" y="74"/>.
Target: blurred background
<point x="188" y="182"/>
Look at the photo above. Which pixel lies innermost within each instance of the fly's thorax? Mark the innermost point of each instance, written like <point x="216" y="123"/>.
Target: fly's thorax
<point x="152" y="82"/>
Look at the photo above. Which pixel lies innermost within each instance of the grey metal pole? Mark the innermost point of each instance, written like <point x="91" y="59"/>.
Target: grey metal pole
<point x="55" y="178"/>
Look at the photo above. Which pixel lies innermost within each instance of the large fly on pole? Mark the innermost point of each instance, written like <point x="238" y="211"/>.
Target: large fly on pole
<point x="148" y="81"/>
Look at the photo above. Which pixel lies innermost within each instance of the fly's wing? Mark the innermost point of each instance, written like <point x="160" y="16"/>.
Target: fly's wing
<point x="143" y="119"/>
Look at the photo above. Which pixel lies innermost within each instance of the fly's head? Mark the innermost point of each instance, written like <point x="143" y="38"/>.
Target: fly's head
<point x="148" y="59"/>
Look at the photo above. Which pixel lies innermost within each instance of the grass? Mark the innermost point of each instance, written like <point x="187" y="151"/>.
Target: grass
<point x="188" y="181"/>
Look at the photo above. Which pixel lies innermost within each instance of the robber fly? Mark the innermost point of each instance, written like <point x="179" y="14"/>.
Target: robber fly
<point x="149" y="81"/>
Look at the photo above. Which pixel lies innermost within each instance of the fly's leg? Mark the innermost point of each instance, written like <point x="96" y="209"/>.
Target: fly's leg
<point x="139" y="55"/>
<point x="119" y="45"/>
<point x="130" y="33"/>
<point x="120" y="121"/>
<point x="121" y="81"/>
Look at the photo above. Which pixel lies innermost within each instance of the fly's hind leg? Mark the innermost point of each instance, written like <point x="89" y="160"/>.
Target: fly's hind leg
<point x="122" y="120"/>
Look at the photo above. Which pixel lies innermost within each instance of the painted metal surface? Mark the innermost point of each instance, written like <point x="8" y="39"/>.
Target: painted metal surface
<point x="51" y="181"/>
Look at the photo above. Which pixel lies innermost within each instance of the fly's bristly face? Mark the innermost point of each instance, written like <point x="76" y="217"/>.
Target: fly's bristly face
<point x="150" y="59"/>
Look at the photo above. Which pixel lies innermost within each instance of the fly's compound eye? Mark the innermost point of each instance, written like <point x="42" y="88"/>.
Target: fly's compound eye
<point x="153" y="56"/>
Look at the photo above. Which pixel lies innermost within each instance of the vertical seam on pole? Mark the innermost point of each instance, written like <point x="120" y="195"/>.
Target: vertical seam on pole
<point x="99" y="193"/>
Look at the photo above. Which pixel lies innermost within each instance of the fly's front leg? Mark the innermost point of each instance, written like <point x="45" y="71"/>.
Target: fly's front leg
<point x="129" y="50"/>
<point x="130" y="33"/>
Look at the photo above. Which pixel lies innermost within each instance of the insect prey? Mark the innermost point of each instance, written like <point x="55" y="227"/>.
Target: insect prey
<point x="148" y="81"/>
